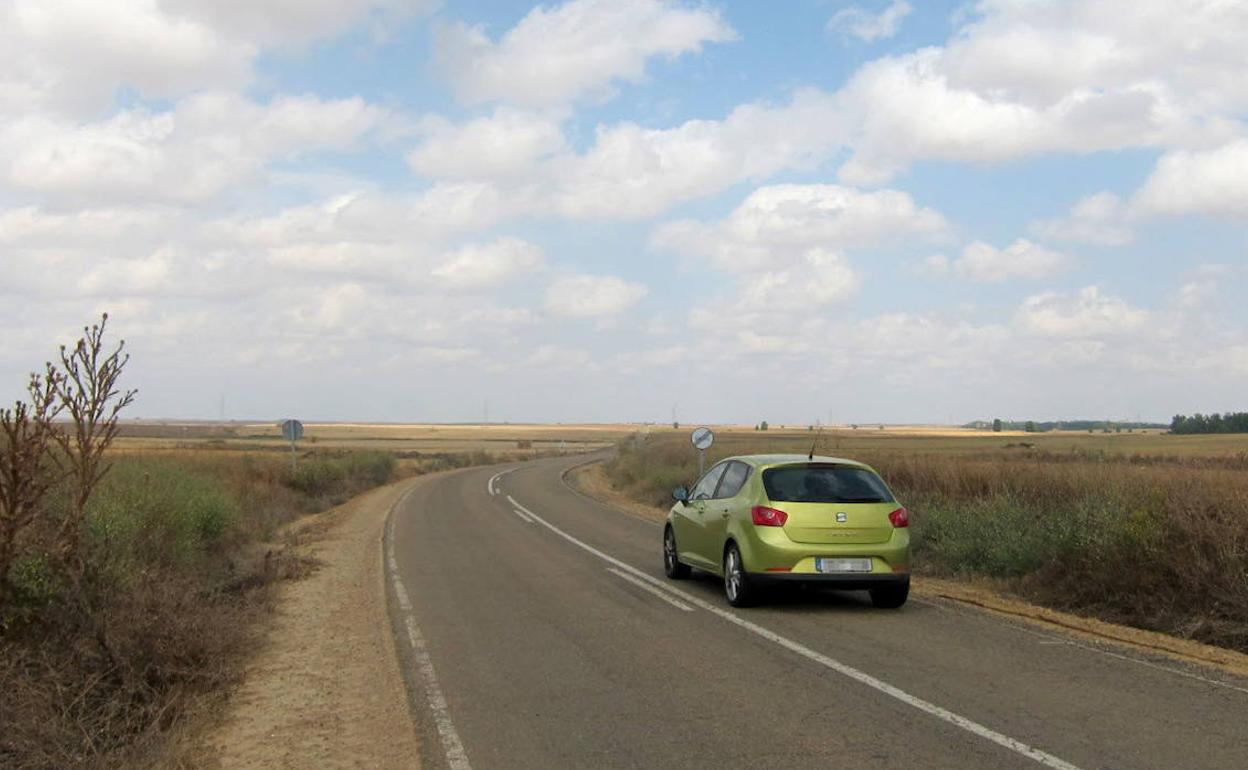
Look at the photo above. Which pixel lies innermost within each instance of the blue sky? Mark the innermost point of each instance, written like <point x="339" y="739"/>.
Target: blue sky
<point x="591" y="210"/>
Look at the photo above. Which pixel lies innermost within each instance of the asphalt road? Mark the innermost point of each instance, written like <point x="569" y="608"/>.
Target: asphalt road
<point x="537" y="631"/>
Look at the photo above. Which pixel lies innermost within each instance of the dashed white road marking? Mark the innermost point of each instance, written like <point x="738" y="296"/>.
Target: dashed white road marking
<point x="651" y="589"/>
<point x="523" y="517"/>
<point x="971" y="726"/>
<point x="490" y="485"/>
<point x="456" y="757"/>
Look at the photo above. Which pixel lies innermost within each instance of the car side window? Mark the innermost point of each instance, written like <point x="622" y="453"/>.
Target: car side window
<point x="705" y="488"/>
<point x="733" y="479"/>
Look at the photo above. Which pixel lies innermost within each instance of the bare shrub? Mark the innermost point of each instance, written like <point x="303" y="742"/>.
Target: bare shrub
<point x="27" y="433"/>
<point x="87" y="389"/>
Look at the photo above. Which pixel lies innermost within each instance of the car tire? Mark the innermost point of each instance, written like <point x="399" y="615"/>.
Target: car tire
<point x="673" y="567"/>
<point x="738" y="588"/>
<point x="890" y="597"/>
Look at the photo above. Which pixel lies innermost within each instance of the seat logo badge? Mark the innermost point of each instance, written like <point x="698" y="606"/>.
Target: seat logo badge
<point x="842" y="517"/>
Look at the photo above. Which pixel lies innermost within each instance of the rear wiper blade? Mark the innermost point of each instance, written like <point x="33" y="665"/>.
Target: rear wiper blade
<point x="862" y="500"/>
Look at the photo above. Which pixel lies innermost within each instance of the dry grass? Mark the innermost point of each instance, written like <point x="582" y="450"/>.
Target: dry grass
<point x="182" y="550"/>
<point x="1155" y="539"/>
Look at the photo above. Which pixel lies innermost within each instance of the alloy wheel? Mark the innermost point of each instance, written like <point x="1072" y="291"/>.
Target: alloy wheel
<point x="732" y="574"/>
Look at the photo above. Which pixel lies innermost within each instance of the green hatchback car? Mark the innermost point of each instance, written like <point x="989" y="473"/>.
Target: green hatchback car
<point x="761" y="519"/>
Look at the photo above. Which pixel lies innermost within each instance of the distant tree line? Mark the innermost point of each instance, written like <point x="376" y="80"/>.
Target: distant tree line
<point x="1231" y="422"/>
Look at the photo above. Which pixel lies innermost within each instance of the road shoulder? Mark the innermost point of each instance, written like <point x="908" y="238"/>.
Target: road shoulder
<point x="326" y="690"/>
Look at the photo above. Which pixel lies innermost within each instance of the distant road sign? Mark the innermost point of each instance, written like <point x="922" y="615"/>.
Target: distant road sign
<point x="292" y="430"/>
<point x="702" y="438"/>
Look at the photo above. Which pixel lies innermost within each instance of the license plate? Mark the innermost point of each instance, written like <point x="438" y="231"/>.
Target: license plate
<point x="842" y="565"/>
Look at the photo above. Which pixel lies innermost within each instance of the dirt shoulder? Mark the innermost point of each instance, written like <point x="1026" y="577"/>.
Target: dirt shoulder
<point x="326" y="691"/>
<point x="592" y="480"/>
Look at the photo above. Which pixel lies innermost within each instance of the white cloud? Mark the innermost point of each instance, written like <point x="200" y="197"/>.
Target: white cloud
<point x="1199" y="182"/>
<point x="974" y="100"/>
<point x="785" y="245"/>
<point x="1075" y="76"/>
<point x="505" y="144"/>
<point x="927" y="341"/>
<point x="445" y="355"/>
<point x="33" y="227"/>
<point x="559" y="357"/>
<point x="204" y="146"/>
<point x="931" y="266"/>
<point x="578" y="49"/>
<point x="72" y="56"/>
<point x="1102" y="219"/>
<point x="1088" y="313"/>
<point x="816" y="278"/>
<point x="1199" y="290"/>
<point x="293" y="22"/>
<point x="1211" y="181"/>
<point x="784" y="308"/>
<point x="146" y="169"/>
<point x="1072" y="79"/>
<point x="868" y="26"/>
<point x="632" y="171"/>
<point x="984" y="263"/>
<point x="486" y="265"/>
<point x="593" y="295"/>
<point x="778" y="223"/>
<point x="651" y="358"/>
<point x="628" y="172"/>
<point x="398" y="237"/>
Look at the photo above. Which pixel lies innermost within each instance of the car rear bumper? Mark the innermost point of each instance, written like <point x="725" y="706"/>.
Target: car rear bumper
<point x="768" y="551"/>
<point x="847" y="582"/>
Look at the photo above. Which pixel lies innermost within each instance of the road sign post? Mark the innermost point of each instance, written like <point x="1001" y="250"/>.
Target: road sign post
<point x="702" y="438"/>
<point x="292" y="431"/>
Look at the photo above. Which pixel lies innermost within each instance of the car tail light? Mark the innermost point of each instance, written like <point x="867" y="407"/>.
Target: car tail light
<point x="768" y="517"/>
<point x="900" y="518"/>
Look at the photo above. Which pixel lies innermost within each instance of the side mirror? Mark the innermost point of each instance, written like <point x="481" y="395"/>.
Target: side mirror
<point x="681" y="495"/>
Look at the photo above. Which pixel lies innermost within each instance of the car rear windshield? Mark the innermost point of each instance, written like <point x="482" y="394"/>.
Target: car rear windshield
<point x="825" y="484"/>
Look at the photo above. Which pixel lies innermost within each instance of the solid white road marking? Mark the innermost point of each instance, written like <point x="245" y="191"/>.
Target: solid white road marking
<point x="971" y="726"/>
<point x="456" y="757"/>
<point x="647" y="587"/>
<point x="1056" y="641"/>
<point x="526" y="519"/>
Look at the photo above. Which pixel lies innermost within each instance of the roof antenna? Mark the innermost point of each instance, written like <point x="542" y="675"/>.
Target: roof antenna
<point x="812" y="449"/>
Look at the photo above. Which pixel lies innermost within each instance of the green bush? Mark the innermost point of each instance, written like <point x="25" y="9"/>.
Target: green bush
<point x="343" y="475"/>
<point x="318" y="476"/>
<point x="35" y="583"/>
<point x="156" y="512"/>
<point x="371" y="468"/>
